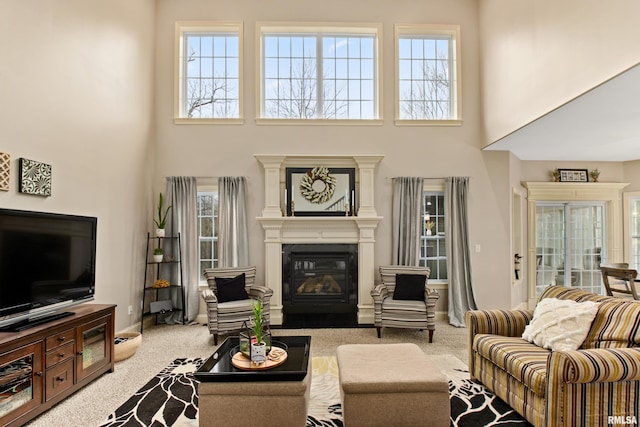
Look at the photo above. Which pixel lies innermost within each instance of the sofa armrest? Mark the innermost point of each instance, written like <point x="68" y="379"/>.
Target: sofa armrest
<point x="262" y="293"/>
<point x="507" y="323"/>
<point x="595" y="365"/>
<point x="608" y="378"/>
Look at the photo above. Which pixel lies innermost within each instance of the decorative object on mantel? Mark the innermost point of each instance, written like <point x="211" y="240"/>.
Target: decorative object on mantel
<point x="5" y="171"/>
<point x="594" y="174"/>
<point x="34" y="178"/>
<point x="161" y="221"/>
<point x="574" y="175"/>
<point x="556" y="175"/>
<point x="320" y="191"/>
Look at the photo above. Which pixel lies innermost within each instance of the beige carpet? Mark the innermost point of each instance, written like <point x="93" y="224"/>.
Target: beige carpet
<point x="162" y="344"/>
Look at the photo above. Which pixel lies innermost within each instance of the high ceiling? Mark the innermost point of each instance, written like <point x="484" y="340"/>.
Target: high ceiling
<point x="601" y="125"/>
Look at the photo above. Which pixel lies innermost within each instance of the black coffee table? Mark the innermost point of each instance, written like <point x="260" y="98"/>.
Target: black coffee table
<point x="218" y="367"/>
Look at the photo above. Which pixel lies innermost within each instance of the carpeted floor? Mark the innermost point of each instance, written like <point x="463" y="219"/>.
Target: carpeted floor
<point x="164" y="343"/>
<point x="170" y="398"/>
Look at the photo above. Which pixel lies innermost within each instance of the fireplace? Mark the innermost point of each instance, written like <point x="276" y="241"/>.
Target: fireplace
<point x="319" y="285"/>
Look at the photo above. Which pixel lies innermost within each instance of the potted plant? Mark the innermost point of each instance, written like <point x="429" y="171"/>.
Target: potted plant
<point x="161" y="221"/>
<point x="259" y="332"/>
<point x="158" y="254"/>
<point x="595" y="174"/>
<point x="430" y="225"/>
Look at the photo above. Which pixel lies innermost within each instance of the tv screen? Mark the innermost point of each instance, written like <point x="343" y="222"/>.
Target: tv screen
<point x="47" y="261"/>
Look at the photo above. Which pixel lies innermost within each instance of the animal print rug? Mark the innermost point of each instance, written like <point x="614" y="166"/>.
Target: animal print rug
<point x="170" y="398"/>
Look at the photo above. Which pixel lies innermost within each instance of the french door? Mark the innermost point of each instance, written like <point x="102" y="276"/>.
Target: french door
<point x="570" y="244"/>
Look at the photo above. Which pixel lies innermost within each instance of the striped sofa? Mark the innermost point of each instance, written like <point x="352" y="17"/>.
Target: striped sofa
<point x="593" y="386"/>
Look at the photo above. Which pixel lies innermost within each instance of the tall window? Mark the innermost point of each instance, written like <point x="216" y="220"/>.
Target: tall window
<point x="427" y="71"/>
<point x="209" y="71"/>
<point x="207" y="230"/>
<point x="570" y="240"/>
<point x="433" y="251"/>
<point x="311" y="72"/>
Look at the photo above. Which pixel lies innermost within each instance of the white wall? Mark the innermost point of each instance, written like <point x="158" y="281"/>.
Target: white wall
<point x="75" y="79"/>
<point x="539" y="54"/>
<point x="205" y="150"/>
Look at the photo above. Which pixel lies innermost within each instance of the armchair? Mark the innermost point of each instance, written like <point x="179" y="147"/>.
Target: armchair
<point x="401" y="313"/>
<point x="226" y="317"/>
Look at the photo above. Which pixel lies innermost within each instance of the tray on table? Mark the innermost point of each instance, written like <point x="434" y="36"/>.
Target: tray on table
<point x="219" y="367"/>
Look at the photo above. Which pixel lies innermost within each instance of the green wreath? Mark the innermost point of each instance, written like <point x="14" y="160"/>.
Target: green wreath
<point x="324" y="183"/>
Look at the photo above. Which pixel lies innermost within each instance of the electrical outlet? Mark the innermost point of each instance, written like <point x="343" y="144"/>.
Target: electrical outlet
<point x="130" y="309"/>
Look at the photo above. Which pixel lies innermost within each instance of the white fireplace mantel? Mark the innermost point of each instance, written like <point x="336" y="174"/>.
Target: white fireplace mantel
<point x="280" y="229"/>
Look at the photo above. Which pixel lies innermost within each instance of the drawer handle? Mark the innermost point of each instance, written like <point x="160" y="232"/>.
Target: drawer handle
<point x="61" y="355"/>
<point x="59" y="379"/>
<point x="61" y="339"/>
<point x="38" y="374"/>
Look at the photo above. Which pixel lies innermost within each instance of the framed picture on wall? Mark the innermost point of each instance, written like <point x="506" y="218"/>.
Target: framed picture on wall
<point x="574" y="175"/>
<point x="320" y="191"/>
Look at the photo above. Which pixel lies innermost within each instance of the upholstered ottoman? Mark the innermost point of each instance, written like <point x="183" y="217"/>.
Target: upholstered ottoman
<point x="391" y="385"/>
<point x="254" y="403"/>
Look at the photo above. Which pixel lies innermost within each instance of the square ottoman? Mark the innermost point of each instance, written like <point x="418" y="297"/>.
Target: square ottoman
<point x="391" y="385"/>
<point x="254" y="403"/>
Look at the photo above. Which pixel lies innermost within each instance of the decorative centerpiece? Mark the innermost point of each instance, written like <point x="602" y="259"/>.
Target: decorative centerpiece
<point x="255" y="337"/>
<point x="595" y="174"/>
<point x="161" y="221"/>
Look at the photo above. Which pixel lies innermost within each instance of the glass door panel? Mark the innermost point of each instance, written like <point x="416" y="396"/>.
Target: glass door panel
<point x="634" y="259"/>
<point x="570" y="245"/>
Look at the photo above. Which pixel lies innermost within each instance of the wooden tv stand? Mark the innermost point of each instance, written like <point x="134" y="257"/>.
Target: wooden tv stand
<point x="43" y="365"/>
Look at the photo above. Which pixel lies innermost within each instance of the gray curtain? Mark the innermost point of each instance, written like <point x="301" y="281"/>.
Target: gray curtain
<point x="407" y="220"/>
<point x="233" y="236"/>
<point x="182" y="194"/>
<point x="458" y="260"/>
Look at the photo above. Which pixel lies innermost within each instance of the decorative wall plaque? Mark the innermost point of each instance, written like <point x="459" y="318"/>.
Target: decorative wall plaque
<point x="5" y="171"/>
<point x="34" y="177"/>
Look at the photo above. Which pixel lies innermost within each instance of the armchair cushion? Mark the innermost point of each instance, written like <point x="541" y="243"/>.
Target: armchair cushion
<point x="560" y="325"/>
<point x="410" y="287"/>
<point x="231" y="289"/>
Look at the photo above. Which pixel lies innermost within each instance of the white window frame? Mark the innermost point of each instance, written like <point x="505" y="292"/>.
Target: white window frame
<point x="182" y="27"/>
<point x="318" y="28"/>
<point x="209" y="188"/>
<point x="427" y="30"/>
<point x="432" y="187"/>
<point x="629" y="198"/>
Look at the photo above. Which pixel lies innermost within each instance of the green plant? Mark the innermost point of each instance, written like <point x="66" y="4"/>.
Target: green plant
<point x="430" y="224"/>
<point x="158" y="251"/>
<point x="258" y="321"/>
<point x="161" y="222"/>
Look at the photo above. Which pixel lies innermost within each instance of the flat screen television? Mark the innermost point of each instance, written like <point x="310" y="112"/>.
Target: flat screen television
<point x="47" y="263"/>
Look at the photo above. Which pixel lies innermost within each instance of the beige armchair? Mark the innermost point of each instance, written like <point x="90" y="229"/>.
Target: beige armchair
<point x="226" y="317"/>
<point x="402" y="313"/>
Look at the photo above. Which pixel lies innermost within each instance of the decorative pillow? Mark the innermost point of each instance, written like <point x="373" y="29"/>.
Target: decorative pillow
<point x="231" y="289"/>
<point x="560" y="325"/>
<point x="409" y="287"/>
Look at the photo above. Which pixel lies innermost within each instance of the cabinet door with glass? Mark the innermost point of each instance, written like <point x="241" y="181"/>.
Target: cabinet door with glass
<point x="95" y="343"/>
<point x="570" y="245"/>
<point x="20" y="381"/>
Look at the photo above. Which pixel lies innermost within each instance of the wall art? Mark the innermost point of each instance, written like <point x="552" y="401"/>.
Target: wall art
<point x="34" y="178"/>
<point x="5" y="171"/>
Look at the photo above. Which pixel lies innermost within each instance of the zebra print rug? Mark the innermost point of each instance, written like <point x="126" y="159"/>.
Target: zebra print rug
<point x="170" y="398"/>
